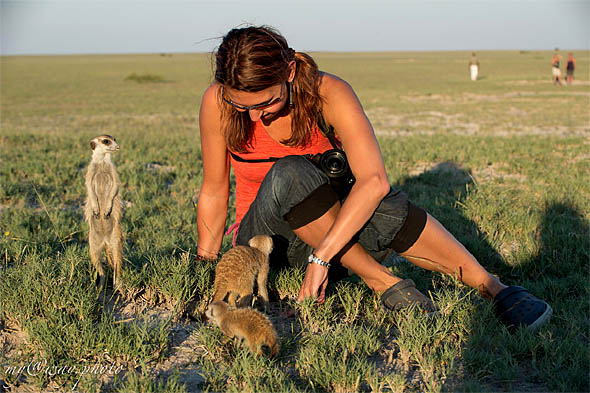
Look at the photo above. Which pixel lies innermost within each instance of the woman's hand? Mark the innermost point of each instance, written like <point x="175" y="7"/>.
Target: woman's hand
<point x="316" y="279"/>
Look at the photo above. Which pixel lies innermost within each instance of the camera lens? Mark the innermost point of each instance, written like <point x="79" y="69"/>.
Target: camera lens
<point x="334" y="163"/>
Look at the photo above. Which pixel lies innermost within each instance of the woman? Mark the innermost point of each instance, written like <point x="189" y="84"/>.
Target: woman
<point x="265" y="102"/>
<point x="556" y="71"/>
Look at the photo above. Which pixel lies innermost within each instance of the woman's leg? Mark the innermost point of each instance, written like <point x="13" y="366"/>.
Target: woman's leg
<point x="436" y="249"/>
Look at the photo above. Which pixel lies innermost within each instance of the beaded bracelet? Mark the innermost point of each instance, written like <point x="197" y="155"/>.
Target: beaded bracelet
<point x="313" y="259"/>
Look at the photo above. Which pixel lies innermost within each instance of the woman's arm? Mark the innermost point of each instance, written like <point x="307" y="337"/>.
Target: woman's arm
<point x="213" y="198"/>
<point x="343" y="110"/>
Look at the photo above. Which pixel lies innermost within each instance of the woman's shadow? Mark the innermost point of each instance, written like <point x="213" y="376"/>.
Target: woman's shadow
<point x="557" y="269"/>
<point x="441" y="191"/>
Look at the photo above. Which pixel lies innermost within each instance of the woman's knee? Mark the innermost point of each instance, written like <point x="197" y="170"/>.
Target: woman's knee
<point x="291" y="180"/>
<point x="293" y="170"/>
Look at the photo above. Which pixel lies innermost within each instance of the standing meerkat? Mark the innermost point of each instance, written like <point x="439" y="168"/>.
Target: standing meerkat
<point x="245" y="323"/>
<point x="240" y="267"/>
<point x="103" y="208"/>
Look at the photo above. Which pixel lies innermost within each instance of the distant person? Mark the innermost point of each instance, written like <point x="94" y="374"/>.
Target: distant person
<point x="267" y="111"/>
<point x="569" y="68"/>
<point x="555" y="68"/>
<point x="474" y="66"/>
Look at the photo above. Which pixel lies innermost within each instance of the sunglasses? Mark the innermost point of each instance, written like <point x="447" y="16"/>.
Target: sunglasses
<point x="262" y="105"/>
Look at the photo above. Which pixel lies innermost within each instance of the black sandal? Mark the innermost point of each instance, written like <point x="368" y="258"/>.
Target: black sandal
<point x="516" y="306"/>
<point x="404" y="294"/>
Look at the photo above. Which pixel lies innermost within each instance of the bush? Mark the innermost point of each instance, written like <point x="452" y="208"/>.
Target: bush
<point x="144" y="78"/>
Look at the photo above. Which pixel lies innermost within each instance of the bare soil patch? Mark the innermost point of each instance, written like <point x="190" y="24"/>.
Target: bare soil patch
<point x="387" y="123"/>
<point x="423" y="123"/>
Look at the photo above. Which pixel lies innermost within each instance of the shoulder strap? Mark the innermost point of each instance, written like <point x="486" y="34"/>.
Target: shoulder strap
<point x="328" y="131"/>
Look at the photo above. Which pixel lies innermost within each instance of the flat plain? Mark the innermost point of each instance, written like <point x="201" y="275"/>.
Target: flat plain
<point x="503" y="163"/>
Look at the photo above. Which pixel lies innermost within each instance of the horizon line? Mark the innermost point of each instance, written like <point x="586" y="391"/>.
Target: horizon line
<point x="165" y="53"/>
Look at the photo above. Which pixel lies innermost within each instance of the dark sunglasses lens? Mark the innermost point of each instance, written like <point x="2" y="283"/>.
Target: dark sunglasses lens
<point x="257" y="106"/>
<point x="267" y="104"/>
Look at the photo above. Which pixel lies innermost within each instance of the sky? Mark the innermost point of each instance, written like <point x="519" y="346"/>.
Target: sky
<point x="171" y="26"/>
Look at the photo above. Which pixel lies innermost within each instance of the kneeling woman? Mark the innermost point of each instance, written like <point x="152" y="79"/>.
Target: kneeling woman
<point x="261" y="116"/>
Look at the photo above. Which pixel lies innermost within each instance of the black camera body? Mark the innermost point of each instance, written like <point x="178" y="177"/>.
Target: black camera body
<point x="334" y="164"/>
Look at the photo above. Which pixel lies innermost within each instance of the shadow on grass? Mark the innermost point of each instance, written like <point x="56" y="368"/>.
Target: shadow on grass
<point x="439" y="191"/>
<point x="556" y="356"/>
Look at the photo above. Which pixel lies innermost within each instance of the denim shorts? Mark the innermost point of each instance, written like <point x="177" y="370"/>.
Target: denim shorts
<point x="291" y="181"/>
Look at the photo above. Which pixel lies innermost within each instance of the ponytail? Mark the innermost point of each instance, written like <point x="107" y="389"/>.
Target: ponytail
<point x="306" y="99"/>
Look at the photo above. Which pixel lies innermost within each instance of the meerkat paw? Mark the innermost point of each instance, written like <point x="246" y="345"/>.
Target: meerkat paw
<point x="246" y="301"/>
<point x="101" y="285"/>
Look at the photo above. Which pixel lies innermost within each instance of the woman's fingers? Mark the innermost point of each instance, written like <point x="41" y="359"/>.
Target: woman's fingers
<point x="315" y="280"/>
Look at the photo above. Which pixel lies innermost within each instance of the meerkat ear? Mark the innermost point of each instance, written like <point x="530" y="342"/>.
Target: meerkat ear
<point x="92" y="145"/>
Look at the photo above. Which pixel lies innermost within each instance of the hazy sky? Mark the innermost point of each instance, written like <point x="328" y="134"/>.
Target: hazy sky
<point x="136" y="26"/>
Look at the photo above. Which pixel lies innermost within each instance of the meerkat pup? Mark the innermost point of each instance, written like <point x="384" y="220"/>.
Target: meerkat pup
<point x="239" y="268"/>
<point x="103" y="208"/>
<point x="245" y="323"/>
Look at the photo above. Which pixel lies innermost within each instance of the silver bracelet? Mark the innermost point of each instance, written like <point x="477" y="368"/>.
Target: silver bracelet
<point x="313" y="259"/>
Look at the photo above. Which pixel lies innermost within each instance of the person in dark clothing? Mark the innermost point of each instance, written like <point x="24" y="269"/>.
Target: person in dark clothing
<point x="569" y="68"/>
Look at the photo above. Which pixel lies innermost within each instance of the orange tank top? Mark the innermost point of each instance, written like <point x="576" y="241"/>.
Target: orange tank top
<point x="249" y="175"/>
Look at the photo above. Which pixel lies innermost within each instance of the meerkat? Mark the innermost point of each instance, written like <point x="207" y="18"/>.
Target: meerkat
<point x="103" y="208"/>
<point x="245" y="323"/>
<point x="239" y="268"/>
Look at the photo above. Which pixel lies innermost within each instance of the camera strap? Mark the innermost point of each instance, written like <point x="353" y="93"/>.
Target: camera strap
<point x="326" y="129"/>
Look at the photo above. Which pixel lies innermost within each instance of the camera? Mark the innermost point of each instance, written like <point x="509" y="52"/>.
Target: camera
<point x="334" y="164"/>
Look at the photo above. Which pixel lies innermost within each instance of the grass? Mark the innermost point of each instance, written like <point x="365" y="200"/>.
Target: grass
<point x="503" y="163"/>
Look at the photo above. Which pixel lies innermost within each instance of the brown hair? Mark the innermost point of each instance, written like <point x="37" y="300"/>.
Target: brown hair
<point x="253" y="59"/>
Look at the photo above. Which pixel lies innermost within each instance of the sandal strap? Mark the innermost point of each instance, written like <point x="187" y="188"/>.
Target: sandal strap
<point x="403" y="284"/>
<point x="404" y="294"/>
